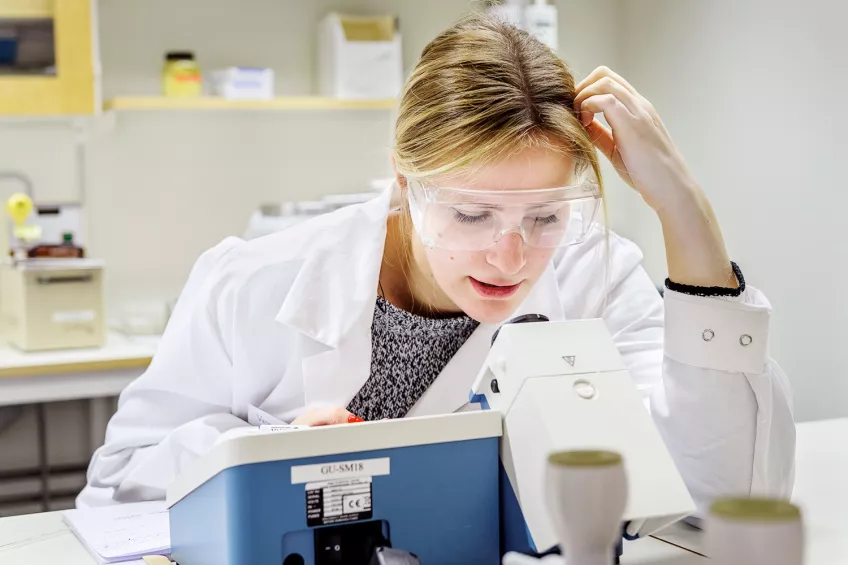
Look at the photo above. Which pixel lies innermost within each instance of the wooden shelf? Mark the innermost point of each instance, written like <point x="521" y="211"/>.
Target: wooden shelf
<point x="25" y="14"/>
<point x="26" y="9"/>
<point x="210" y="103"/>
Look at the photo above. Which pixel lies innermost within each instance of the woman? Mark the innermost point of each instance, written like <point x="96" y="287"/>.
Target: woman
<point x="372" y="313"/>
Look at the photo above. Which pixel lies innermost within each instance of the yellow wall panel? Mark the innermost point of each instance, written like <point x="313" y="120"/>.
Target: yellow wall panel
<point x="71" y="91"/>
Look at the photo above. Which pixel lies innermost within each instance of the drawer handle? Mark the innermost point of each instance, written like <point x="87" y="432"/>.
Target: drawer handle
<point x="68" y="279"/>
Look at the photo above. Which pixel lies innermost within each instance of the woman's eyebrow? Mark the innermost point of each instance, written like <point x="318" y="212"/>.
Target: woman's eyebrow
<point x="479" y="205"/>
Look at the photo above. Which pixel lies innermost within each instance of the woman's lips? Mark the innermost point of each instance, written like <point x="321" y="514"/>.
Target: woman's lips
<point x="494" y="291"/>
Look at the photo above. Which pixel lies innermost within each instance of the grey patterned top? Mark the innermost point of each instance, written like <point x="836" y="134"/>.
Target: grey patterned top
<point x="407" y="354"/>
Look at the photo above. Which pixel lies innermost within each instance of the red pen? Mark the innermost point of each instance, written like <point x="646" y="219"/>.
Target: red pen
<point x="354" y="419"/>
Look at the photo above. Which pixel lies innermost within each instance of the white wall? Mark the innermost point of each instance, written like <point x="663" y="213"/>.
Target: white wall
<point x="590" y="35"/>
<point x="163" y="186"/>
<point x="754" y="94"/>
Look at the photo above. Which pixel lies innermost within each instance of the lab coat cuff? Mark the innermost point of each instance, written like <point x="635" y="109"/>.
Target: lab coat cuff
<point x="711" y="333"/>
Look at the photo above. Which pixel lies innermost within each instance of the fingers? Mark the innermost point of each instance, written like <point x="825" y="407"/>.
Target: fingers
<point x="600" y="73"/>
<point x="604" y="81"/>
<point x="604" y="86"/>
<point x="326" y="416"/>
<point x="602" y="138"/>
<point x="608" y="105"/>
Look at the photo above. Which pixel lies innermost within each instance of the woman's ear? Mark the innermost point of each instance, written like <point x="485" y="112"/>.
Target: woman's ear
<point x="399" y="178"/>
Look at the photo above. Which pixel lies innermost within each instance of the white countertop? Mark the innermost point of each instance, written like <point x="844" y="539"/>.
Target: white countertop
<point x="49" y="376"/>
<point x="119" y="347"/>
<point x="44" y="539"/>
<point x="821" y="491"/>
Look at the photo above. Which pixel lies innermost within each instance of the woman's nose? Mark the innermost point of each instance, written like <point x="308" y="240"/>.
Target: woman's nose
<point x="507" y="255"/>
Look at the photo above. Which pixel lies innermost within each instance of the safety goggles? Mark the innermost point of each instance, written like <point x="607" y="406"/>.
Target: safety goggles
<point x="460" y="219"/>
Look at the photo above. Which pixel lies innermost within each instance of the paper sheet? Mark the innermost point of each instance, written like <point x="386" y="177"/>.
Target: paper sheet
<point x="122" y="533"/>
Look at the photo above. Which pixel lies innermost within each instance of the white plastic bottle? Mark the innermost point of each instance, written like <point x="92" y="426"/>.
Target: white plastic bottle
<point x="540" y="20"/>
<point x="511" y="11"/>
<point x="754" y="531"/>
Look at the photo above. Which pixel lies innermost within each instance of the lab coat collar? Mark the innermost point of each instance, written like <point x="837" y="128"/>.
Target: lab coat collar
<point x="318" y="306"/>
<point x="332" y="301"/>
<point x="336" y="284"/>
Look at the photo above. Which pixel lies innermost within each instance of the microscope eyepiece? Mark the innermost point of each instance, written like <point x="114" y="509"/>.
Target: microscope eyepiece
<point x="523" y="319"/>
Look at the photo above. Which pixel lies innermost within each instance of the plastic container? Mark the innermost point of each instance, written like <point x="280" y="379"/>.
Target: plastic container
<point x="359" y="57"/>
<point x="510" y="11"/>
<point x="181" y="76"/>
<point x="540" y="18"/>
<point x="243" y="83"/>
<point x="66" y="250"/>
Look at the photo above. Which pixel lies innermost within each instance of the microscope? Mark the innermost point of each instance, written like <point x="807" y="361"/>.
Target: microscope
<point x="452" y="489"/>
<point x="562" y="386"/>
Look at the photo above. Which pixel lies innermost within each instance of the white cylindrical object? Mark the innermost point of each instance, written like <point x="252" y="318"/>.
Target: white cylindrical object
<point x="754" y="531"/>
<point x="540" y="19"/>
<point x="510" y="11"/>
<point x="587" y="495"/>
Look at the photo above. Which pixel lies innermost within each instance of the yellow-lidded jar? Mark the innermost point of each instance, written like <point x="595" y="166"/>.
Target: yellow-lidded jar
<point x="181" y="75"/>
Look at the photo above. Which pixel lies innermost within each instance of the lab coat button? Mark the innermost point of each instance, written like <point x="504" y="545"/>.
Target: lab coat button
<point x="708" y="335"/>
<point x="745" y="340"/>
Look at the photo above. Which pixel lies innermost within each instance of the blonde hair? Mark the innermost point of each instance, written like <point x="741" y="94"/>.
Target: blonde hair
<point x="483" y="90"/>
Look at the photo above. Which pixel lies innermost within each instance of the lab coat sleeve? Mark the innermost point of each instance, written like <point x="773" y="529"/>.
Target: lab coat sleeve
<point x="723" y="409"/>
<point x="181" y="405"/>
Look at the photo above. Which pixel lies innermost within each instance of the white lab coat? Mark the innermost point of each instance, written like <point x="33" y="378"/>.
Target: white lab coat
<point x="278" y="325"/>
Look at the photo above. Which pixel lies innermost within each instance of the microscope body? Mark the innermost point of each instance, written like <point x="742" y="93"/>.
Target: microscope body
<point x="563" y="386"/>
<point x="449" y="489"/>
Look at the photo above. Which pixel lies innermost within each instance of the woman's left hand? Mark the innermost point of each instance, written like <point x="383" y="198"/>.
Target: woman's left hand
<point x="641" y="150"/>
<point x="638" y="145"/>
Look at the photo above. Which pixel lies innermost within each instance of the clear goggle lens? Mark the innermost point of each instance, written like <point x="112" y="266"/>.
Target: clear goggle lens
<point x="473" y="220"/>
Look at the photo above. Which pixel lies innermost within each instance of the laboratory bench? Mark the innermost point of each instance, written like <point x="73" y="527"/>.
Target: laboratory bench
<point x="44" y="539"/>
<point x="820" y="491"/>
<point x="96" y="375"/>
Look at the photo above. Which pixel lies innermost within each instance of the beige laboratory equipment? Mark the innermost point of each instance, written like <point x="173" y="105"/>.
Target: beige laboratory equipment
<point x="48" y="303"/>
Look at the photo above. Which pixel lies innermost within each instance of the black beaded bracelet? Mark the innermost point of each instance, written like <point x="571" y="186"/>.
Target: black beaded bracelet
<point x="710" y="290"/>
